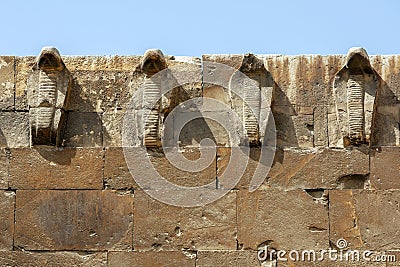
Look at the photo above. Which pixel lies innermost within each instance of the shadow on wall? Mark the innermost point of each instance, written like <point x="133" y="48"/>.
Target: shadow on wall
<point x="386" y="118"/>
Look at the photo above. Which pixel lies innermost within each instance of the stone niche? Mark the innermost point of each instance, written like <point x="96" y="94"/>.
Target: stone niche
<point x="48" y="91"/>
<point x="355" y="88"/>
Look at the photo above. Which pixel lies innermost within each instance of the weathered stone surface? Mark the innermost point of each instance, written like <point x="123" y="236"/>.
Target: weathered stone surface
<point x="116" y="172"/>
<point x="112" y="122"/>
<point x="73" y="220"/>
<point x="51" y="168"/>
<point x="271" y="216"/>
<point x="7" y="82"/>
<point x="385" y="168"/>
<point x="302" y="80"/>
<point x="160" y="226"/>
<point x="296" y="168"/>
<point x="242" y="258"/>
<point x="84" y="129"/>
<point x="56" y="259"/>
<point x="343" y="218"/>
<point x="224" y="156"/>
<point x="14" y="129"/>
<point x="305" y="168"/>
<point x="321" y="126"/>
<point x="117" y="175"/>
<point x="151" y="258"/>
<point x="234" y="61"/>
<point x="393" y="258"/>
<point x="294" y="131"/>
<point x="23" y="68"/>
<point x="101" y="83"/>
<point x="367" y="219"/>
<point x="4" y="175"/>
<point x="7" y="203"/>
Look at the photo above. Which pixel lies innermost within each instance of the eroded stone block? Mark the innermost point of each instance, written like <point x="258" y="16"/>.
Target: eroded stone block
<point x="7" y="82"/>
<point x="51" y="168"/>
<point x="7" y="203"/>
<point x="160" y="226"/>
<point x="366" y="219"/>
<point x="14" y="129"/>
<point x="118" y="176"/>
<point x="73" y="220"/>
<point x="385" y="168"/>
<point x="271" y="216"/>
<point x="4" y="172"/>
<point x="84" y="129"/>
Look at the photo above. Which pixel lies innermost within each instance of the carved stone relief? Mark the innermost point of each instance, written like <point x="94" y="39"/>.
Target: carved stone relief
<point x="48" y="90"/>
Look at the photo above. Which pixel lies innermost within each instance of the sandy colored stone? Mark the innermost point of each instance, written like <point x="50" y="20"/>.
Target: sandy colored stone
<point x="294" y="131"/>
<point x="160" y="226"/>
<point x="282" y="219"/>
<point x="73" y="220"/>
<point x="242" y="258"/>
<point x="151" y="258"/>
<point x="83" y="129"/>
<point x="52" y="168"/>
<point x="385" y="168"/>
<point x="56" y="259"/>
<point x="303" y="80"/>
<point x="7" y="82"/>
<point x="24" y="66"/>
<point x="234" y="61"/>
<point x="343" y="218"/>
<point x="297" y="168"/>
<point x="7" y="202"/>
<point x="321" y="126"/>
<point x="369" y="217"/>
<point x="14" y="129"/>
<point x="4" y="175"/>
<point x="118" y="176"/>
<point x="304" y="168"/>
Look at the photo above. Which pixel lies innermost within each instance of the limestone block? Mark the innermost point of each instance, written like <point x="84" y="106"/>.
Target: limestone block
<point x="52" y="168"/>
<point x="14" y="129"/>
<point x="7" y="203"/>
<point x="366" y="219"/>
<point x="158" y="226"/>
<point x="73" y="220"/>
<point x="7" y="82"/>
<point x="271" y="216"/>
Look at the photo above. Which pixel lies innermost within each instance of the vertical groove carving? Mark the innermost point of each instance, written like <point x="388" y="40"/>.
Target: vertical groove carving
<point x="355" y="106"/>
<point x="354" y="90"/>
<point x="47" y="97"/>
<point x="250" y="119"/>
<point x="47" y="88"/>
<point x="254" y="69"/>
<point x="153" y="61"/>
<point x="151" y="94"/>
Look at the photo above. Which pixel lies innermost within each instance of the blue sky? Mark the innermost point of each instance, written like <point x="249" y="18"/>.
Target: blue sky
<point x="199" y="27"/>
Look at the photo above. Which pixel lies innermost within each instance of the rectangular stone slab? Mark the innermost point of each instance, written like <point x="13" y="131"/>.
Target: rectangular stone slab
<point x="89" y="220"/>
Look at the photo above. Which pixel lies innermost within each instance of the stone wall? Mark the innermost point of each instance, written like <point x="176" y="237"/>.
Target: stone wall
<point x="77" y="204"/>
